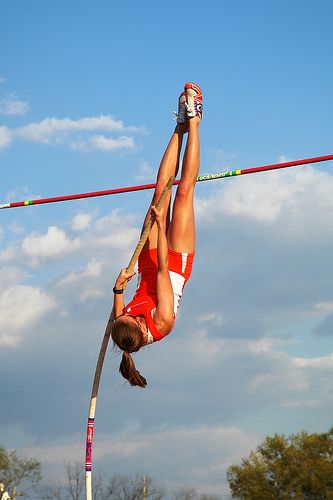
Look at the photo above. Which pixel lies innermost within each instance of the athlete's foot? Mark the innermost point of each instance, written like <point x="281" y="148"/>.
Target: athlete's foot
<point x="182" y="109"/>
<point x="193" y="103"/>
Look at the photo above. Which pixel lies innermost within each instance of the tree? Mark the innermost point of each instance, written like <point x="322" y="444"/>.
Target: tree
<point x="123" y="487"/>
<point x="297" y="467"/>
<point x="75" y="480"/>
<point x="190" y="493"/>
<point x="71" y="490"/>
<point x="119" y="487"/>
<point x="15" y="472"/>
<point x="51" y="492"/>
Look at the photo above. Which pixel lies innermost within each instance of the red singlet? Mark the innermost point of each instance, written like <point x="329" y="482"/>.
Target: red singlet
<point x="145" y="298"/>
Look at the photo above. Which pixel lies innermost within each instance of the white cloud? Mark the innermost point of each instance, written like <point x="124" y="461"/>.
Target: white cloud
<point x="93" y="269"/>
<point x="111" y="232"/>
<point x="276" y="378"/>
<point x="90" y="293"/>
<point x="322" y="362"/>
<point x="50" y="245"/>
<point x="262" y="345"/>
<point x="66" y="131"/>
<point x="10" y="276"/>
<point x="20" y="307"/>
<point x="81" y="221"/>
<point x="102" y="143"/>
<point x="53" y="128"/>
<point x="201" y="349"/>
<point x="115" y="231"/>
<point x="90" y="283"/>
<point x="260" y="198"/>
<point x="108" y="144"/>
<point x="12" y="106"/>
<point x="8" y="254"/>
<point x="267" y="197"/>
<point x="56" y="130"/>
<point x="52" y="453"/>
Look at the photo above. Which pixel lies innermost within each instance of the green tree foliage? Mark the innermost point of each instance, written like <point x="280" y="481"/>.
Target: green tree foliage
<point x="18" y="472"/>
<point x="297" y="467"/>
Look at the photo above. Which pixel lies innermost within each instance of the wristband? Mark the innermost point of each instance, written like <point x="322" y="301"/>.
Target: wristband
<point x="118" y="291"/>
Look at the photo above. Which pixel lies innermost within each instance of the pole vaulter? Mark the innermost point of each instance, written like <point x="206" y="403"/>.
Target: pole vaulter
<point x="100" y="361"/>
<point x="201" y="178"/>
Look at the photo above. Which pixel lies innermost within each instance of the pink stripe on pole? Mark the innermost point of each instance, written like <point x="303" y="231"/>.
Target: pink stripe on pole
<point x="90" y="437"/>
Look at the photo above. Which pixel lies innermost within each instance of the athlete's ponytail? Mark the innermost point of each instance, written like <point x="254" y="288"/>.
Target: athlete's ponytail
<point x="128" y="371"/>
<point x="129" y="338"/>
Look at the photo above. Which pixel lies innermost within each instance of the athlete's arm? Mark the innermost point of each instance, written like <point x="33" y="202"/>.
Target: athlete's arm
<point x="118" y="298"/>
<point x="163" y="316"/>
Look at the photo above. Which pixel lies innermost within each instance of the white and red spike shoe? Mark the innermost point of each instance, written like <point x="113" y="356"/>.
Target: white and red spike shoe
<point x="181" y="115"/>
<point x="193" y="100"/>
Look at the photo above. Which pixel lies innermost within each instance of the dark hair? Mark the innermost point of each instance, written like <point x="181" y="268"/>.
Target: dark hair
<point x="129" y="338"/>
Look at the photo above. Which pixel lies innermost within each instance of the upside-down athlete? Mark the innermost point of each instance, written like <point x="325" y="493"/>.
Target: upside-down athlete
<point x="165" y="263"/>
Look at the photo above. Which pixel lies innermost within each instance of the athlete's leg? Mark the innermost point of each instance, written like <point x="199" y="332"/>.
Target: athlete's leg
<point x="181" y="234"/>
<point x="169" y="166"/>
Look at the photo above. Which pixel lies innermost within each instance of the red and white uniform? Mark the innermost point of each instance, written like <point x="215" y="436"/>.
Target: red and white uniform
<point x="145" y="298"/>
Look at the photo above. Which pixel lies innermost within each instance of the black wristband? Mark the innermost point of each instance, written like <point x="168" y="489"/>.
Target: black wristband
<point x="118" y="291"/>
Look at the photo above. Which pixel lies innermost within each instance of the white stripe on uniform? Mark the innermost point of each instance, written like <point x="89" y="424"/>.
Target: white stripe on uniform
<point x="177" y="282"/>
<point x="184" y="261"/>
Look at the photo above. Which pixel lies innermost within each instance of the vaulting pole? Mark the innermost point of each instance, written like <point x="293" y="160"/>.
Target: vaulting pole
<point x="100" y="361"/>
<point x="142" y="187"/>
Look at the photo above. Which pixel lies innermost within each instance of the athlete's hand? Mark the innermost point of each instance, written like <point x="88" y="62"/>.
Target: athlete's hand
<point x="158" y="214"/>
<point x="123" y="278"/>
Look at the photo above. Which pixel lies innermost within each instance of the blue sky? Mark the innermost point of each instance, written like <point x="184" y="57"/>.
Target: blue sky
<point x="87" y="93"/>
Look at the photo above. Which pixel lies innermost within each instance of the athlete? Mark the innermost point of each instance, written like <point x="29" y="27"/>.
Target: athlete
<point x="165" y="263"/>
